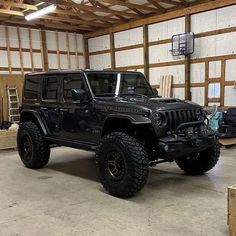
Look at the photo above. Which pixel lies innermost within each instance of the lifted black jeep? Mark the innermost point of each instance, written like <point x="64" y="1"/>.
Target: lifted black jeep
<point x="118" y="115"/>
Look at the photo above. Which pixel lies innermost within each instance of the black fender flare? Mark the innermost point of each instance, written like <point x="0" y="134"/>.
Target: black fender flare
<point x="32" y="115"/>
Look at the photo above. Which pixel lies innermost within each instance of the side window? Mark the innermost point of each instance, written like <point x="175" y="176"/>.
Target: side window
<point x="50" y="88"/>
<point x="72" y="82"/>
<point x="31" y="88"/>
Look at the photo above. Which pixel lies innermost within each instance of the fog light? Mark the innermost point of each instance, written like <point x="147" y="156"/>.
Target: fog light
<point x="166" y="147"/>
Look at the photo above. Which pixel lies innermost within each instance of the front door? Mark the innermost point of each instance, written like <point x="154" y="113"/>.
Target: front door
<point x="77" y="116"/>
<point x="49" y="107"/>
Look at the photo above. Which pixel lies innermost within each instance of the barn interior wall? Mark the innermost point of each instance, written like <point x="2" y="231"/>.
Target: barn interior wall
<point x="21" y="50"/>
<point x="212" y="64"/>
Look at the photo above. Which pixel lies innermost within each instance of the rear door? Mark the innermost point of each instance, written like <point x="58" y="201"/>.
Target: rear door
<point x="50" y="102"/>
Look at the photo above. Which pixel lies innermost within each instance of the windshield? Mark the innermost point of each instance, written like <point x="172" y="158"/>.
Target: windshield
<point x="116" y="84"/>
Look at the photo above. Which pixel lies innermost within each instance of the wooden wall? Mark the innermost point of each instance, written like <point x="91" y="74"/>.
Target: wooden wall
<point x="211" y="72"/>
<point x="8" y="80"/>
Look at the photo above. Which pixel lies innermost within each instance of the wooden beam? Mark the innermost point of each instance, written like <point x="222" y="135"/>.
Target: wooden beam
<point x="92" y="8"/>
<point x="11" y="12"/>
<point x="68" y="50"/>
<point x="8" y="50"/>
<point x="86" y="54"/>
<point x="58" y="51"/>
<point x="31" y="49"/>
<point x="18" y="5"/>
<point x="163" y="17"/>
<point x="112" y="51"/>
<point x="206" y="82"/>
<point x="130" y="5"/>
<point x="146" y="51"/>
<point x="187" y="61"/>
<point x="20" y="50"/>
<point x="44" y="51"/>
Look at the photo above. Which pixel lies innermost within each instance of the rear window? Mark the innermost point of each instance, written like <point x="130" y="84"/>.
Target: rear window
<point x="31" y="88"/>
<point x="50" y="88"/>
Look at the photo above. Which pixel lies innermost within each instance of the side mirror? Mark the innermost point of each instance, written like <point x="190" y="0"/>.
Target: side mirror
<point x="79" y="95"/>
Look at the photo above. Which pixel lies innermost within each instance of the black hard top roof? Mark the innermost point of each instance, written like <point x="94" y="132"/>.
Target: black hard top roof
<point x="56" y="72"/>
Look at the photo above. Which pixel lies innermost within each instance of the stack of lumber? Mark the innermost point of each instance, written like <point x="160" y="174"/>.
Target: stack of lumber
<point x="7" y="139"/>
<point x="166" y="86"/>
<point x="232" y="210"/>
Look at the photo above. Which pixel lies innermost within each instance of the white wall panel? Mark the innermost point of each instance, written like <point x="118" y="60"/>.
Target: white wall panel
<point x="161" y="53"/>
<point x="36" y="40"/>
<point x="64" y="61"/>
<point x="72" y="44"/>
<point x="80" y="42"/>
<point x="100" y="62"/>
<point x="214" y="90"/>
<point x="226" y="17"/>
<point x="51" y="40"/>
<point x="37" y="60"/>
<point x="13" y="37"/>
<point x="177" y="72"/>
<point x="129" y="57"/>
<point x="202" y="22"/>
<point x="2" y="36"/>
<point x="178" y="93"/>
<point x="230" y="96"/>
<point x="62" y="41"/>
<point x="73" y="62"/>
<point x="24" y="35"/>
<point x="214" y="69"/>
<point x="230" y="70"/>
<point x="52" y="61"/>
<point x="3" y="59"/>
<point x="81" y="62"/>
<point x="99" y="43"/>
<point x="26" y="59"/>
<point x="198" y="95"/>
<point x="15" y="59"/>
<point x="166" y="29"/>
<point x="222" y="44"/>
<point x="197" y="73"/>
<point x="129" y="37"/>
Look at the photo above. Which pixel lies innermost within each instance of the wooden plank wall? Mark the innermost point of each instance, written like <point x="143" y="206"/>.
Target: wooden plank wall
<point x="215" y="28"/>
<point x="8" y="80"/>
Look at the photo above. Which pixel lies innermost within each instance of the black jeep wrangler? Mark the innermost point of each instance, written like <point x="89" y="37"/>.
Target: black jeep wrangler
<point x="120" y="117"/>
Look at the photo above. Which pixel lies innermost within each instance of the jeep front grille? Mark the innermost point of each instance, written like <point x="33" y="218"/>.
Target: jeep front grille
<point x="177" y="117"/>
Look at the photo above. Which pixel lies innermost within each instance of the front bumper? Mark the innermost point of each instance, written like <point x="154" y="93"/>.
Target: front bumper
<point x="183" y="142"/>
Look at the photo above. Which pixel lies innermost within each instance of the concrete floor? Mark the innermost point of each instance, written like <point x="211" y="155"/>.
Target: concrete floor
<point x="66" y="198"/>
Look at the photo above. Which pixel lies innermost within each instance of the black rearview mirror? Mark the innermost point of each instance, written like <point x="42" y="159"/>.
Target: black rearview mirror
<point x="79" y="95"/>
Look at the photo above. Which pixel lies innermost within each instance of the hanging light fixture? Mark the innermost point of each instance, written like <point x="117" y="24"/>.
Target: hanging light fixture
<point x="41" y="12"/>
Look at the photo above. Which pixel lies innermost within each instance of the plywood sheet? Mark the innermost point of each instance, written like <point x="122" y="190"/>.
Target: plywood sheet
<point x="166" y="86"/>
<point x="7" y="139"/>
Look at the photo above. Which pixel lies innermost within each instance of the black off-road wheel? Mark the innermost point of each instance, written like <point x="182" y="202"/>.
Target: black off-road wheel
<point x="33" y="150"/>
<point x="202" y="162"/>
<point x="123" y="164"/>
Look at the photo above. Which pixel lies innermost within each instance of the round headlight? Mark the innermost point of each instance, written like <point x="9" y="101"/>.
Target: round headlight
<point x="199" y="114"/>
<point x="158" y="119"/>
